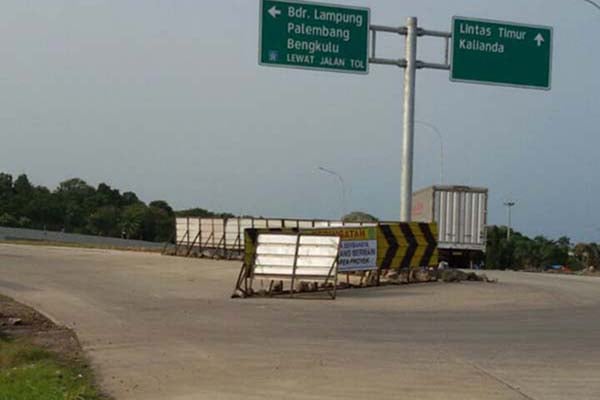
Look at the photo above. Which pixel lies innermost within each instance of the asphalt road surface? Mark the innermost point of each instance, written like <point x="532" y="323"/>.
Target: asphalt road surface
<point x="160" y="328"/>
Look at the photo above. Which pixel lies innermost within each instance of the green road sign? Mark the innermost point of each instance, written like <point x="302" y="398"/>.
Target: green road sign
<point x="299" y="34"/>
<point x="501" y="53"/>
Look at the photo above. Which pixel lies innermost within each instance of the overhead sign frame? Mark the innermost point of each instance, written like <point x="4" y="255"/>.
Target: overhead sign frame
<point x="367" y="24"/>
<point x="507" y="23"/>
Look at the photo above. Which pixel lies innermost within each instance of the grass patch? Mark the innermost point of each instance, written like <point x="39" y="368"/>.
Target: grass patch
<point x="28" y="372"/>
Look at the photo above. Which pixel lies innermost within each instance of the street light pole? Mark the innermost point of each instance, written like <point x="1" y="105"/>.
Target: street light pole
<point x="342" y="186"/>
<point x="593" y="3"/>
<point x="439" y="134"/>
<point x="509" y="205"/>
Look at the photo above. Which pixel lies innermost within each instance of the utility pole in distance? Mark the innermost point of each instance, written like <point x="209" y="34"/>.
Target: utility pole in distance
<point x="509" y="205"/>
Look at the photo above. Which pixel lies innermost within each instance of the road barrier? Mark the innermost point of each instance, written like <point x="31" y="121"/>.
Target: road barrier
<point x="358" y="248"/>
<point x="396" y="246"/>
<point x="225" y="236"/>
<point x="370" y="249"/>
<point x="35" y="235"/>
<point x="406" y="245"/>
<point x="293" y="257"/>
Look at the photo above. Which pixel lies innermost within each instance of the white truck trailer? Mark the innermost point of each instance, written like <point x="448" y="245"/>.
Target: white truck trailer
<point x="461" y="215"/>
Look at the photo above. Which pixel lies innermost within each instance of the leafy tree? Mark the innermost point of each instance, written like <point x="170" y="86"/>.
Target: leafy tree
<point x="8" y="220"/>
<point x="106" y="196"/>
<point x="359" y="216"/>
<point x="24" y="222"/>
<point x="75" y="196"/>
<point x="6" y="193"/>
<point x="129" y="198"/>
<point x="163" y="205"/>
<point x="132" y="221"/>
<point x="6" y="183"/>
<point x="75" y="187"/>
<point x="594" y="255"/>
<point x="522" y="252"/>
<point x="585" y="255"/>
<point x="22" y="186"/>
<point x="105" y="221"/>
<point x="158" y="225"/>
<point x="202" y="213"/>
<point x="44" y="210"/>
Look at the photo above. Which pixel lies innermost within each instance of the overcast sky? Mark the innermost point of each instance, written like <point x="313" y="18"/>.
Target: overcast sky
<point x="166" y="98"/>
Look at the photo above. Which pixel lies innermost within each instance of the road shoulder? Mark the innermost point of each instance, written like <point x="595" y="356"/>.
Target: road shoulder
<point x="40" y="359"/>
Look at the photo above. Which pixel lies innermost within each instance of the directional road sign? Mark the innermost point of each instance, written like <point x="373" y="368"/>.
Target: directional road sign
<point x="300" y="34"/>
<point x="501" y="53"/>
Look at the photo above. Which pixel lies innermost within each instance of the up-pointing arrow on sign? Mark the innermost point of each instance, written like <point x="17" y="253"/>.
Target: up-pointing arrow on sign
<point x="539" y="39"/>
<point x="274" y="11"/>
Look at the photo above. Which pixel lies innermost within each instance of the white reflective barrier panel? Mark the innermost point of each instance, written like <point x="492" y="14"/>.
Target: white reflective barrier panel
<point x="228" y="233"/>
<point x="322" y="224"/>
<point x="336" y="224"/>
<point x="207" y="232"/>
<point x="232" y="233"/>
<point x="181" y="226"/>
<point x="275" y="254"/>
<point x="194" y="229"/>
<point x="288" y="256"/>
<point x="290" y="223"/>
<point x="219" y="231"/>
<point x="275" y="223"/>
<point x="260" y="223"/>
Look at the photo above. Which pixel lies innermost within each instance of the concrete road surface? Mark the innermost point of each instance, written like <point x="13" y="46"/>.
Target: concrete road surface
<point x="162" y="328"/>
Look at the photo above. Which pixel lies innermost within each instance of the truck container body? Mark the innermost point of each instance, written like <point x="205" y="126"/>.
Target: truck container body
<point x="461" y="215"/>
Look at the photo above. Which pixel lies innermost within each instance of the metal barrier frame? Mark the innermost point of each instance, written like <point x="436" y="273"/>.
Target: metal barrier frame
<point x="238" y="245"/>
<point x="247" y="275"/>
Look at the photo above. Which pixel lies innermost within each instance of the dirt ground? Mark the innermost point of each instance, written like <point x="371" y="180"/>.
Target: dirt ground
<point x="21" y="322"/>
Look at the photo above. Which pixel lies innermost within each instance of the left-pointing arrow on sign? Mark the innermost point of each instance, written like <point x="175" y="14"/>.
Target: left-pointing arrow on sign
<point x="274" y="11"/>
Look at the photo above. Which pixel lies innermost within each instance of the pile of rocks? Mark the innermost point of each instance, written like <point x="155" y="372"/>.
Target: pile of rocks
<point x="456" y="275"/>
<point x="591" y="271"/>
<point x="415" y="275"/>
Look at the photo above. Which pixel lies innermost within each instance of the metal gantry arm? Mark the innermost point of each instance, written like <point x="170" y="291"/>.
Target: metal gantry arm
<point x="385" y="61"/>
<point x="402" y="30"/>
<point x="410" y="65"/>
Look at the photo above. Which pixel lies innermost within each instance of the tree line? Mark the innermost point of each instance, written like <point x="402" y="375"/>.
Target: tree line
<point x="522" y="252"/>
<point x="77" y="207"/>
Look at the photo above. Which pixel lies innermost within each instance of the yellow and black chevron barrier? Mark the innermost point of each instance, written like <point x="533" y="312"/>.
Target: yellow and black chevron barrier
<point x="406" y="245"/>
<point x="399" y="245"/>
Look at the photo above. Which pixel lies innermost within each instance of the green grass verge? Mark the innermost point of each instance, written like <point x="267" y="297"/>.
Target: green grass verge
<point x="28" y="372"/>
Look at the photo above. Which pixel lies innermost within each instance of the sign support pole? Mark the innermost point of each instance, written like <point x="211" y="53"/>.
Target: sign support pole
<point x="410" y="65"/>
<point x="408" y="125"/>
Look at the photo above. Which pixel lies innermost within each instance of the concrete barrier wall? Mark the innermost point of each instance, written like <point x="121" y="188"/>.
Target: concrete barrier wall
<point x="37" y="235"/>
